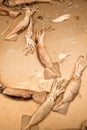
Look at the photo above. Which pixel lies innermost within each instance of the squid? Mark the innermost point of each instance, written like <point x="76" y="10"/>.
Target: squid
<point x="23" y="2"/>
<point x="52" y="70"/>
<point x="30" y="43"/>
<point x="45" y="108"/>
<point x="73" y="86"/>
<point x="6" y="11"/>
<point x="38" y="97"/>
<point x="21" y="25"/>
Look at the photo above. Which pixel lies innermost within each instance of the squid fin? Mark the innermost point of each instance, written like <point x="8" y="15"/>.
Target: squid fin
<point x="25" y="121"/>
<point x="48" y="74"/>
<point x="12" y="37"/>
<point x="62" y="108"/>
<point x="39" y="97"/>
<point x="56" y="66"/>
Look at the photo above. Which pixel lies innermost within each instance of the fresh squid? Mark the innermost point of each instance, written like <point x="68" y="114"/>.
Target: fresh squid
<point x="4" y="10"/>
<point x="47" y="106"/>
<point x="30" y="43"/>
<point x="21" y="26"/>
<point x="21" y="2"/>
<point x="38" y="97"/>
<point x="52" y="70"/>
<point x="73" y="86"/>
<point x="18" y="93"/>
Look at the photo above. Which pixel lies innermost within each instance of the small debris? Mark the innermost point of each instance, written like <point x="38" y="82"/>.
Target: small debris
<point x="7" y="21"/>
<point x="77" y="17"/>
<point x="10" y="51"/>
<point x="43" y="86"/>
<point x="70" y="4"/>
<point x="61" y="18"/>
<point x="61" y="0"/>
<point x="37" y="75"/>
<point x="62" y="56"/>
<point x="40" y="18"/>
<point x="79" y="95"/>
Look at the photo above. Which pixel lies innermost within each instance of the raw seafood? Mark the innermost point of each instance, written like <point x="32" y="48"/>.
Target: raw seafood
<point x="15" y="92"/>
<point x="38" y="97"/>
<point x="73" y="86"/>
<point x="4" y="10"/>
<point x="52" y="70"/>
<point x="19" y="93"/>
<point x="61" y="18"/>
<point x="30" y="43"/>
<point x="47" y="106"/>
<point x="21" y="26"/>
<point x="20" y="2"/>
<point x="62" y="56"/>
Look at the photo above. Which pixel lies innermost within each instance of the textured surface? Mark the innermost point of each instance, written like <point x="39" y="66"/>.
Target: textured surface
<point x="20" y="71"/>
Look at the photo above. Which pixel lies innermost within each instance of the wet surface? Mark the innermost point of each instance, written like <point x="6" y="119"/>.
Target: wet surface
<point x="20" y="71"/>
